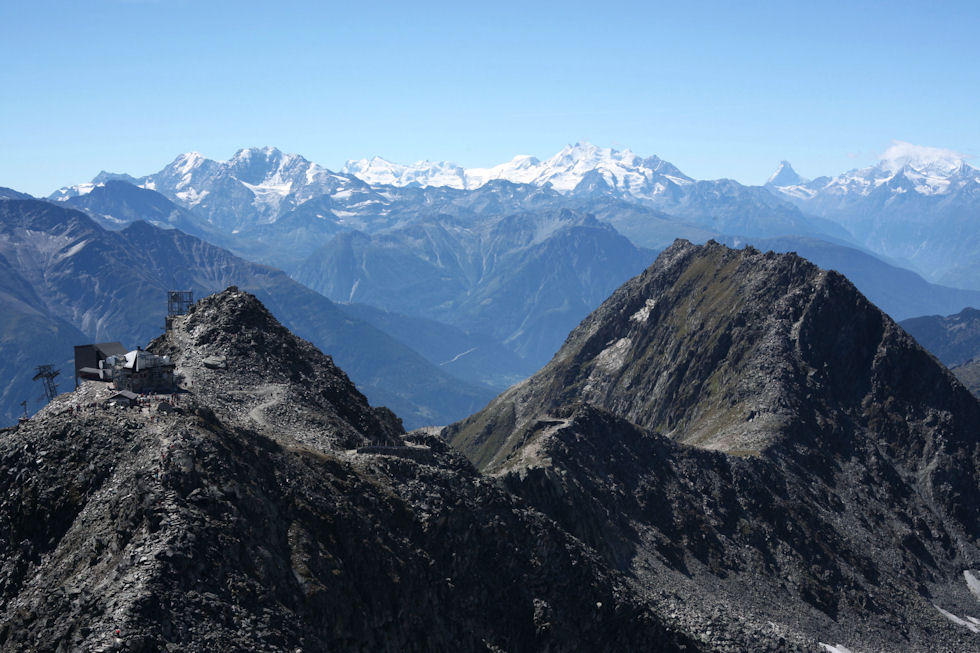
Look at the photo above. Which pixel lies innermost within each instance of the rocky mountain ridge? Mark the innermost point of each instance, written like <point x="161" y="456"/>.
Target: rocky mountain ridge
<point x="299" y="519"/>
<point x="748" y="430"/>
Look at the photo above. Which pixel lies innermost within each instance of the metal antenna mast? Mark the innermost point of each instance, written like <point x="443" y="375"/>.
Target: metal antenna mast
<point x="47" y="373"/>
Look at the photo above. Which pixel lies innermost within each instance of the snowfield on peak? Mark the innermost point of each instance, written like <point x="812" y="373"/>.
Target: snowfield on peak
<point x="919" y="157"/>
<point x="620" y="169"/>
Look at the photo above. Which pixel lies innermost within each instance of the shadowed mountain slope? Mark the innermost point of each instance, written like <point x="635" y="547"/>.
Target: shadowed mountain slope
<point x="748" y="431"/>
<point x="474" y="358"/>
<point x="30" y="337"/>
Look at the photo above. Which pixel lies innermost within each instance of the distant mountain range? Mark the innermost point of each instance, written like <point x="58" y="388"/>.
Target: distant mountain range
<point x="477" y="249"/>
<point x="260" y="186"/>
<point x="255" y="186"/>
<point x="916" y="206"/>
<point x="643" y="178"/>
<point x="584" y="169"/>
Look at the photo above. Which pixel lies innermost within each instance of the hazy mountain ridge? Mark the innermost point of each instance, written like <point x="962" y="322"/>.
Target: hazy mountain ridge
<point x="915" y="205"/>
<point x="31" y="336"/>
<point x="522" y="279"/>
<point x="646" y="199"/>
<point x="643" y="177"/>
<point x="474" y="358"/>
<point x="953" y="339"/>
<point x="258" y="187"/>
<point x="112" y="286"/>
<point x="116" y="203"/>
<point x="584" y="169"/>
<point x="255" y="186"/>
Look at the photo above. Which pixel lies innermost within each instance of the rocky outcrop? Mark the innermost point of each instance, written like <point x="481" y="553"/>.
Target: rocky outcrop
<point x="761" y="450"/>
<point x="269" y="507"/>
<point x="258" y="374"/>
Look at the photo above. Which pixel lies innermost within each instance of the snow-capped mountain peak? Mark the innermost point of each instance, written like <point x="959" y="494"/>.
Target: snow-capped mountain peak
<point x="186" y="163"/>
<point x="67" y="192"/>
<point x="377" y="170"/>
<point x="905" y="167"/>
<point x="902" y="168"/>
<point x="256" y="185"/>
<point x="935" y="160"/>
<point x="622" y="171"/>
<point x="785" y="175"/>
<point x="585" y="153"/>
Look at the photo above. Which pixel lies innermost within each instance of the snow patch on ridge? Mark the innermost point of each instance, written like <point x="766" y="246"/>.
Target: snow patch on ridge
<point x="613" y="357"/>
<point x="969" y="625"/>
<point x="68" y="192"/>
<point x="834" y="649"/>
<point x="643" y="314"/>
<point x="185" y="163"/>
<point x="192" y="196"/>
<point x="972" y="581"/>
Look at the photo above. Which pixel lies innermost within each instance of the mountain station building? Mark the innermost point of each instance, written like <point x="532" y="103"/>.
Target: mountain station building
<point x="88" y="359"/>
<point x="135" y="371"/>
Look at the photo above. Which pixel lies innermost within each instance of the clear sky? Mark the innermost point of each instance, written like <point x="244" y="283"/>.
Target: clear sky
<point x="720" y="89"/>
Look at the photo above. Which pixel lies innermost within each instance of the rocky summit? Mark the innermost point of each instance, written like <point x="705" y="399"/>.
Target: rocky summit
<point x="265" y="506"/>
<point x="772" y="462"/>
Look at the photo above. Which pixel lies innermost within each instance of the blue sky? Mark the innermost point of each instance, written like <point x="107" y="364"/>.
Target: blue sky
<point x="720" y="89"/>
